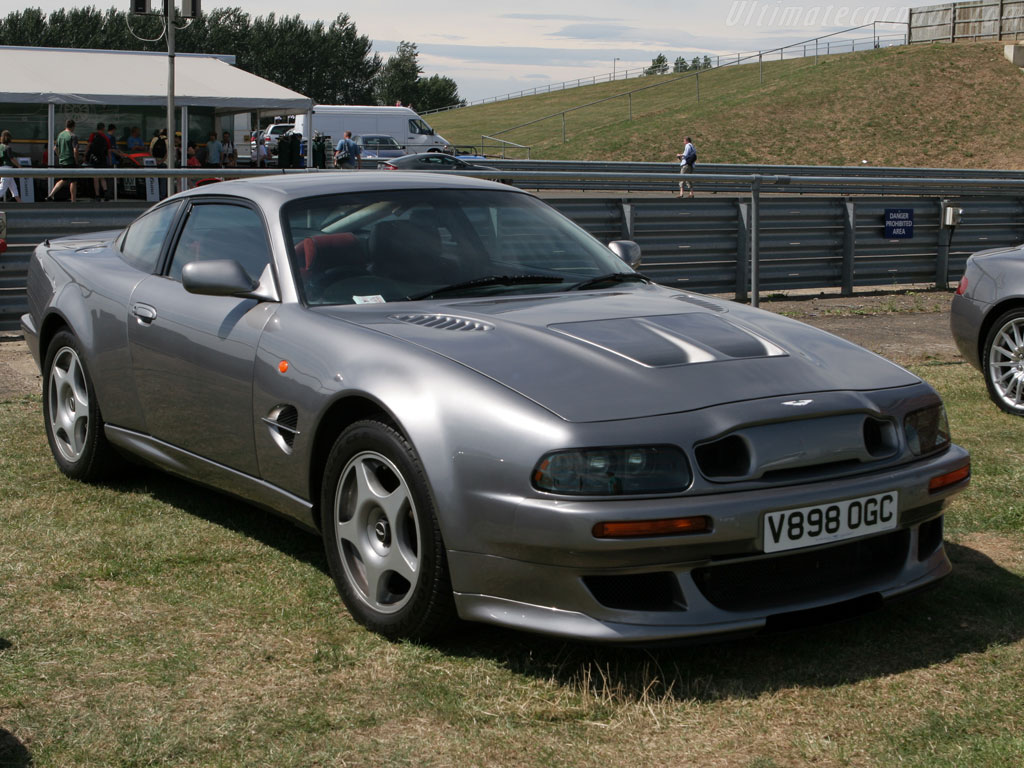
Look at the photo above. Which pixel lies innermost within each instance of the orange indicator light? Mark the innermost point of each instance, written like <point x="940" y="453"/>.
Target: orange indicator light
<point x="283" y="366"/>
<point x="670" y="527"/>
<point x="950" y="478"/>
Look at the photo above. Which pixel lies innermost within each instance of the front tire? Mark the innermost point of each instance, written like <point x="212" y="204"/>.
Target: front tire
<point x="380" y="531"/>
<point x="71" y="412"/>
<point x="1004" y="362"/>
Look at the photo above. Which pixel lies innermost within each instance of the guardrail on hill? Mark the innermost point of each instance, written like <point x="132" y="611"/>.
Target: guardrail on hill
<point x="826" y="45"/>
<point x="742" y="244"/>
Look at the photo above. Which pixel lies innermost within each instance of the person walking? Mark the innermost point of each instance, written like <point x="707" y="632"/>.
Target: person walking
<point x="8" y="160"/>
<point x="65" y="149"/>
<point x="687" y="160"/>
<point x="348" y="154"/>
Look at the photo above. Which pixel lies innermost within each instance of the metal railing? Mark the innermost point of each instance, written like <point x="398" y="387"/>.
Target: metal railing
<point x="798" y="50"/>
<point x="758" y="239"/>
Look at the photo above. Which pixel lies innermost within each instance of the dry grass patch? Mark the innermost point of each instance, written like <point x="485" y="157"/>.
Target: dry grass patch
<point x="152" y="622"/>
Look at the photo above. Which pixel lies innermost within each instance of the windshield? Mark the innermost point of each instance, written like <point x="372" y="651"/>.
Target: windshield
<point x="393" y="246"/>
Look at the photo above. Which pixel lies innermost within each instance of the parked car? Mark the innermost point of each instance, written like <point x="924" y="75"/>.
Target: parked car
<point x="270" y="137"/>
<point x="378" y="145"/>
<point x="987" y="320"/>
<point x="430" y="161"/>
<point x="488" y="414"/>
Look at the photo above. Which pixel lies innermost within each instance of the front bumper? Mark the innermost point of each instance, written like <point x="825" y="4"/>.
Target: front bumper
<point x="554" y="577"/>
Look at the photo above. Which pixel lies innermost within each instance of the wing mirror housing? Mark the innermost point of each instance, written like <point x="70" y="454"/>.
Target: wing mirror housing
<point x="626" y="250"/>
<point x="220" y="277"/>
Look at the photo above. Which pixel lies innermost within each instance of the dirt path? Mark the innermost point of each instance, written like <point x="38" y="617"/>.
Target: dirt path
<point x="905" y="327"/>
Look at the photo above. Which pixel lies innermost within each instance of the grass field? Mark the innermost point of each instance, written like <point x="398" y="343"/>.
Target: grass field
<point x="151" y="622"/>
<point x="940" y="105"/>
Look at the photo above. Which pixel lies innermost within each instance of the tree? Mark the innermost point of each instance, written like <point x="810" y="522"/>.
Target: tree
<point x="659" y="65"/>
<point x="695" y="64"/>
<point x="706" y="63"/>
<point x="680" y="65"/>
<point x="399" y="76"/>
<point x="437" y="92"/>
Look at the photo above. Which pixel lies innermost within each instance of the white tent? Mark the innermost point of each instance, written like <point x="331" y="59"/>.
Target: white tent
<point x="72" y="76"/>
<point x="63" y="76"/>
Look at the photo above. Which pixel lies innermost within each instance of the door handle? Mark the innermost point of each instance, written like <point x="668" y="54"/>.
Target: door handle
<point x="144" y="313"/>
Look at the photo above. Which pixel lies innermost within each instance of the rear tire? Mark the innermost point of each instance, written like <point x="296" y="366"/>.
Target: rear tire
<point x="1004" y="362"/>
<point x="380" y="531"/>
<point x="71" y="413"/>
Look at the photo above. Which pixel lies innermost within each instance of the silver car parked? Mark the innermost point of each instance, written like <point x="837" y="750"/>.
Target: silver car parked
<point x="488" y="414"/>
<point x="987" y="320"/>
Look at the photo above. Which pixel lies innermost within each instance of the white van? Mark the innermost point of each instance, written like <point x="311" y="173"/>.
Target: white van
<point x="408" y="129"/>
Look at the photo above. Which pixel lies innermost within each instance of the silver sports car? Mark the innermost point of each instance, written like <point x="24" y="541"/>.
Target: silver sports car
<point x="489" y="415"/>
<point x="987" y="320"/>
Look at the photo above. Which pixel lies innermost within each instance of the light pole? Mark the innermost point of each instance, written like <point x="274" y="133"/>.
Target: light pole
<point x="614" y="61"/>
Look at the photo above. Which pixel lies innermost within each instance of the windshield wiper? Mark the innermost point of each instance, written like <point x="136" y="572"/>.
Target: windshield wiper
<point x="482" y="282"/>
<point x="611" y="277"/>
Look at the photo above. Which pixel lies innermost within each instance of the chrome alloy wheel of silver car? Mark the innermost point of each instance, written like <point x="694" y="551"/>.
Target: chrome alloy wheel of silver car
<point x="377" y="532"/>
<point x="68" y="396"/>
<point x="1006" y="363"/>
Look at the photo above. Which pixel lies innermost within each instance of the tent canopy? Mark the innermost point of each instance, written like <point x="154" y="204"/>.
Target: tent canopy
<point x="133" y="78"/>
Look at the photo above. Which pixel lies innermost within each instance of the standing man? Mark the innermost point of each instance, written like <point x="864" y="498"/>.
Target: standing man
<point x="8" y="160"/>
<point x="214" y="151"/>
<point x="348" y="154"/>
<point x="687" y="159"/>
<point x="65" y="149"/>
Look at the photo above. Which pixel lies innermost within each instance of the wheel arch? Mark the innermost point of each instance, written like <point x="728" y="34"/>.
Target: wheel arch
<point x="340" y="415"/>
<point x="997" y="311"/>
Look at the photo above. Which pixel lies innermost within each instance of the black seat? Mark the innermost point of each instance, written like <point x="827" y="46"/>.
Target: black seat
<point x="403" y="250"/>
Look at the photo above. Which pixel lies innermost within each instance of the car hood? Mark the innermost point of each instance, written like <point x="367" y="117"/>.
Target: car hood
<point x="641" y="351"/>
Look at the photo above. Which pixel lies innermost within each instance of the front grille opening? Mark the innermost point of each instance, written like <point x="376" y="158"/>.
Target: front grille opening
<point x="637" y="592"/>
<point x="929" y="538"/>
<point x="815" y="471"/>
<point x="775" y="582"/>
<point x="725" y="458"/>
<point x="880" y="438"/>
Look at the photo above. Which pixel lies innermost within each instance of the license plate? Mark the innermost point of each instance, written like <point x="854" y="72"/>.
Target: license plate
<point x="795" y="528"/>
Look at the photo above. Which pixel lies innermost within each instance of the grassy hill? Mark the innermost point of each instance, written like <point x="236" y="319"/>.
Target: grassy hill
<point x="937" y="105"/>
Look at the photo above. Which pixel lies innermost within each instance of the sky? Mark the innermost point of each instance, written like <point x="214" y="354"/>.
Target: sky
<point x="492" y="49"/>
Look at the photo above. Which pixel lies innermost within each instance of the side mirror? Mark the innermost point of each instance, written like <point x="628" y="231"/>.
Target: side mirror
<point x="222" y="277"/>
<point x="626" y="250"/>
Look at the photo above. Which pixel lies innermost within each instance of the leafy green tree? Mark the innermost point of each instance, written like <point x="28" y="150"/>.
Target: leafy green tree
<point x="28" y="27"/>
<point x="706" y="64"/>
<point x="659" y="65"/>
<point x="436" y="92"/>
<point x="680" y="65"/>
<point x="399" y="77"/>
<point x="695" y="64"/>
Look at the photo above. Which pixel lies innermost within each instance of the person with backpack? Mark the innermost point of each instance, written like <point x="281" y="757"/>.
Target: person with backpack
<point x="97" y="154"/>
<point x="348" y="154"/>
<point x="687" y="160"/>
<point x="8" y="160"/>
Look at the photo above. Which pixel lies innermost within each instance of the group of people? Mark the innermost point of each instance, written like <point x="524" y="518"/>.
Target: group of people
<point x="102" y="151"/>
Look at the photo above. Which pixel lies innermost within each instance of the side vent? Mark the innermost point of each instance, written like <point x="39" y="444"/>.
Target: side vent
<point x="444" y="322"/>
<point x="282" y="423"/>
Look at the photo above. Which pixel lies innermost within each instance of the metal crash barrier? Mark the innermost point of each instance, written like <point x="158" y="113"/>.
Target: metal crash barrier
<point x="743" y="235"/>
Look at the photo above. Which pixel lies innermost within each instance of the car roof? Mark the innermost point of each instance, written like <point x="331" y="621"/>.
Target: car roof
<point x="277" y="189"/>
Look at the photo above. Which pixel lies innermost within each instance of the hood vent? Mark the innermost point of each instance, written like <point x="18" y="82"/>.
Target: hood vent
<point x="703" y="303"/>
<point x="444" y="322"/>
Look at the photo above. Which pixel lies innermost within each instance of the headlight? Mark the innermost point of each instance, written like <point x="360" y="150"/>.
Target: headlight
<point x="613" y="471"/>
<point x="927" y="429"/>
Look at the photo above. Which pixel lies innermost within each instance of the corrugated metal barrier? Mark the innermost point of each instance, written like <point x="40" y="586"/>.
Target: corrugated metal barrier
<point x="702" y="244"/>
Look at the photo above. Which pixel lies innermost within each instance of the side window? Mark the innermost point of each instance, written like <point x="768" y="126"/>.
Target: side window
<point x="222" y="231"/>
<point x="141" y="244"/>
